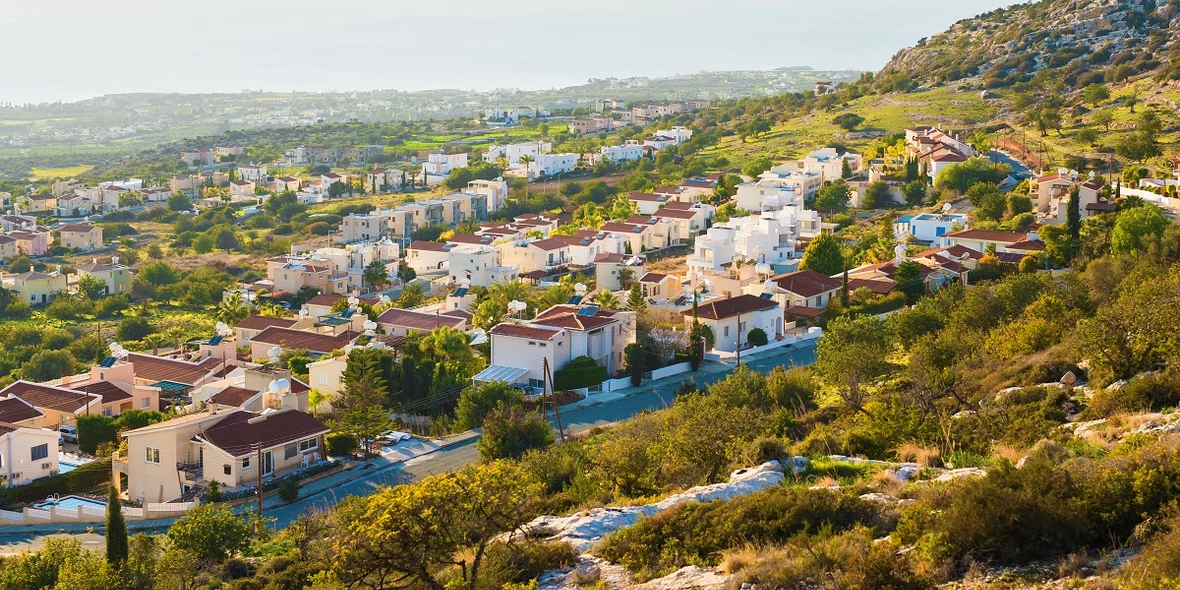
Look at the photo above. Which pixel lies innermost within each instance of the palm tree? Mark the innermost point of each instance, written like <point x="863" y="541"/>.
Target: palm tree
<point x="606" y="299"/>
<point x="525" y="160"/>
<point x="505" y="291"/>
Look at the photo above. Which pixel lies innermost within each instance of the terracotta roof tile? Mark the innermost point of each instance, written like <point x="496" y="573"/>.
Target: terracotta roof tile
<point x="240" y="431"/>
<point x="732" y="306"/>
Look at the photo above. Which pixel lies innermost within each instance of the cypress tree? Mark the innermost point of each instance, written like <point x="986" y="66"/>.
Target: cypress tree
<point x="116" y="529"/>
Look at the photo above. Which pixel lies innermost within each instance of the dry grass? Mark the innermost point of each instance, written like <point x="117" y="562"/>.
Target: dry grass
<point x="674" y="265"/>
<point x="886" y="483"/>
<point x="736" y="560"/>
<point x="826" y="481"/>
<point x="915" y="453"/>
<point x="1118" y="425"/>
<point x="1007" y="452"/>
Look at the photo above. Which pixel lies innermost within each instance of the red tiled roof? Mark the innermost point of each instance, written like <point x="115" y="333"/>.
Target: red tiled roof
<point x="726" y="308"/>
<point x="109" y="392"/>
<point x="647" y="197"/>
<point x="233" y="396"/>
<point x="878" y="287"/>
<point x="575" y="317"/>
<point x="240" y="431"/>
<point x="77" y="228"/>
<point x="678" y="205"/>
<point x="430" y="246"/>
<point x="676" y="213"/>
<point x="956" y="251"/>
<point x="259" y="322"/>
<point x="298" y="339"/>
<point x="1101" y="206"/>
<point x="48" y="397"/>
<point x="617" y="258"/>
<point x="1026" y="245"/>
<point x="523" y="331"/>
<point x="806" y="283"/>
<point x="14" y="409"/>
<point x="405" y="318"/>
<point x="653" y="277"/>
<point x="554" y="243"/>
<point x="989" y="235"/>
<point x="799" y="311"/>
<point x="154" y="368"/>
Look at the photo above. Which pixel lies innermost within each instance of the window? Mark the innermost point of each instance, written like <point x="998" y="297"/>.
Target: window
<point x="727" y="330"/>
<point x="40" y="452"/>
<point x="153" y="455"/>
<point x="106" y="412"/>
<point x="227" y="469"/>
<point x="310" y="444"/>
<point x="145" y="402"/>
<point x="292" y="450"/>
<point x="246" y="463"/>
<point x="322" y="378"/>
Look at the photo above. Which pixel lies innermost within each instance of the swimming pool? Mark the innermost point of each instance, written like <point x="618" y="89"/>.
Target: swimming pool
<point x="69" y="462"/>
<point x="71" y="502"/>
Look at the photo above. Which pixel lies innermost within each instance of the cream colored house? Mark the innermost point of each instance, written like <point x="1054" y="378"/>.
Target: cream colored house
<point x="38" y="288"/>
<point x="26" y="454"/>
<point x="167" y="459"/>
<point x="60" y="406"/>
<point x="14" y="410"/>
<point x="117" y="277"/>
<point x="81" y="236"/>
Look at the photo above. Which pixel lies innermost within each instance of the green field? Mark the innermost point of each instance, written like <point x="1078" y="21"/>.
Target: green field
<point x="889" y="113"/>
<point x="65" y="172"/>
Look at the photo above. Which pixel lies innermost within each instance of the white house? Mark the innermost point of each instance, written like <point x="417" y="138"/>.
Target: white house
<point x="751" y="194"/>
<point x="514" y="151"/>
<point x="26" y="454"/>
<point x="479" y="266"/>
<point x="735" y="317"/>
<point x="255" y="174"/>
<point x="769" y="237"/>
<point x="621" y="153"/>
<point x="678" y="134"/>
<point x="552" y="164"/>
<point x="561" y="334"/>
<point x="930" y="228"/>
<point x="829" y="163"/>
<point x="438" y="166"/>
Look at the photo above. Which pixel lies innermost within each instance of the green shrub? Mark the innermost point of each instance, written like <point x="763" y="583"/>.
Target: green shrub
<point x="1144" y="393"/>
<point x="697" y="533"/>
<point x="521" y="562"/>
<point x="340" y="445"/>
<point x="757" y="337"/>
<point x="289" y="490"/>
<point x="94" y="430"/>
<point x="510" y="432"/>
<point x="579" y="373"/>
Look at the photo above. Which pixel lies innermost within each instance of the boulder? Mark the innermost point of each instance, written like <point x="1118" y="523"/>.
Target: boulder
<point x="1069" y="378"/>
<point x="686" y="577"/>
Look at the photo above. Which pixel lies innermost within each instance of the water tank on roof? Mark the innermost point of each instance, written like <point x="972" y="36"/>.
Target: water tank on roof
<point x="279" y="385"/>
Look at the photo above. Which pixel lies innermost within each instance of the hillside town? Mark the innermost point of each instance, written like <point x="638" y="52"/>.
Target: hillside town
<point x="863" y="332"/>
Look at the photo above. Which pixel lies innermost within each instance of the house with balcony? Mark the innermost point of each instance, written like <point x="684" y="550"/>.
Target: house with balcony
<point x="610" y="269"/>
<point x="166" y="460"/>
<point x="117" y="277"/>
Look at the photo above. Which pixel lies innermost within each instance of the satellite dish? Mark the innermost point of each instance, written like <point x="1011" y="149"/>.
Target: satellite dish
<point x="275" y="352"/>
<point x="899" y="250"/>
<point x="383" y="299"/>
<point x="115" y="347"/>
<point x="762" y="268"/>
<point x="353" y="301"/>
<point x="377" y="344"/>
<point x="303" y="313"/>
<point x="370" y="325"/>
<point x="946" y="207"/>
<point x="220" y="326"/>
<point x="580" y="289"/>
<point x="769" y="286"/>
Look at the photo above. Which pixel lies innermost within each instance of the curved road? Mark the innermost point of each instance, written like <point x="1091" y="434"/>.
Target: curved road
<point x="658" y="395"/>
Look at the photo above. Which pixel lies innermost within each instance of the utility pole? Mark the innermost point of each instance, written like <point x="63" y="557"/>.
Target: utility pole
<point x="258" y="450"/>
<point x="548" y="384"/>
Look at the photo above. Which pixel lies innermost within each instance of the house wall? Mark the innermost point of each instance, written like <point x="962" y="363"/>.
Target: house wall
<point x="725" y="330"/>
<point x="159" y="482"/>
<point x="243" y="471"/>
<point x="530" y="354"/>
<point x="16" y="459"/>
<point x="91" y="240"/>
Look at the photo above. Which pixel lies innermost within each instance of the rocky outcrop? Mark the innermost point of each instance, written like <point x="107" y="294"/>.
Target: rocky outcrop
<point x="584" y="529"/>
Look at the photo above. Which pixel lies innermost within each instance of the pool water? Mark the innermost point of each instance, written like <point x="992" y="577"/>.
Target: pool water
<point x="71" y="502"/>
<point x="63" y="467"/>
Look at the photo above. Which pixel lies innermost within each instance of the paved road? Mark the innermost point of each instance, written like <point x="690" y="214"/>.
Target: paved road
<point x="657" y="395"/>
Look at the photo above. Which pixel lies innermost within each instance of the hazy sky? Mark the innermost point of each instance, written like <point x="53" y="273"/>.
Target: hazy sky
<point x="72" y="49"/>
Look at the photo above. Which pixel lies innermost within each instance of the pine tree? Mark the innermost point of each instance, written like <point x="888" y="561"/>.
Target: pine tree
<point x="116" y="529"/>
<point x="1074" y="214"/>
<point x="360" y="410"/>
<point x="845" y="169"/>
<point x="635" y="301"/>
<point x="696" y="341"/>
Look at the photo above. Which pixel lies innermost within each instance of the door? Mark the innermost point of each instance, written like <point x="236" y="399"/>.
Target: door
<point x="268" y="464"/>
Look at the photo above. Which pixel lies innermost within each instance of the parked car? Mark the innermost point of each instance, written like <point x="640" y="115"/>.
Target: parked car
<point x="393" y="436"/>
<point x="68" y="434"/>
